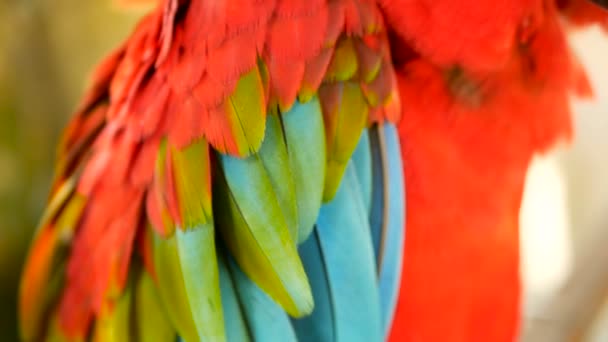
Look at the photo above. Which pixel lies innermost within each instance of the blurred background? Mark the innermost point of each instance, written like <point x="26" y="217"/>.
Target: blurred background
<point x="48" y="47"/>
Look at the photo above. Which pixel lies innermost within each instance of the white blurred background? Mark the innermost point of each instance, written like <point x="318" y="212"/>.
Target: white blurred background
<point x="565" y="220"/>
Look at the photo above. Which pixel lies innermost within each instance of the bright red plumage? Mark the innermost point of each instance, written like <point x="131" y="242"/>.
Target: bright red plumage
<point x="468" y="136"/>
<point x="478" y="35"/>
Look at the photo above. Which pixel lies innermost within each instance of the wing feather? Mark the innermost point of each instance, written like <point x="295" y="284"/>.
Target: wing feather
<point x="170" y="121"/>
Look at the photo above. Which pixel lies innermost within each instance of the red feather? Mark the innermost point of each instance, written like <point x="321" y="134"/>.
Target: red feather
<point x="468" y="141"/>
<point x="478" y="35"/>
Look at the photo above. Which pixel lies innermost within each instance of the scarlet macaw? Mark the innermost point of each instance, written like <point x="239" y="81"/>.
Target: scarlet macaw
<point x="237" y="171"/>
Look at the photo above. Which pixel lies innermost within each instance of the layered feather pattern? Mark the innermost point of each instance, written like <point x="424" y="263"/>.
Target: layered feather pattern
<point x="198" y="161"/>
<point x="234" y="172"/>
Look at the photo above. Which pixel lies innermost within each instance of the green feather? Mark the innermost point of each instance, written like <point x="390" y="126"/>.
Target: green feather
<point x="274" y="158"/>
<point x="54" y="332"/>
<point x="199" y="268"/>
<point x="114" y="323"/>
<point x="266" y="320"/>
<point x="255" y="228"/>
<point x="246" y="110"/>
<point x="152" y="323"/>
<point x="193" y="184"/>
<point x="236" y="327"/>
<point x="344" y="64"/>
<point x="57" y="202"/>
<point x="186" y="262"/>
<point x="344" y="124"/>
<point x="171" y="287"/>
<point x="159" y="189"/>
<point x="189" y="283"/>
<point x="305" y="138"/>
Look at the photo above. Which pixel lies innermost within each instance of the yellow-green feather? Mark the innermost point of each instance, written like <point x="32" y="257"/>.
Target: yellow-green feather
<point x="305" y="139"/>
<point x="343" y="134"/>
<point x="160" y="177"/>
<point x="171" y="287"/>
<point x="69" y="217"/>
<point x="188" y="283"/>
<point x="265" y="251"/>
<point x="152" y="322"/>
<point x="113" y="324"/>
<point x="57" y="201"/>
<point x="246" y="110"/>
<point x="344" y="64"/>
<point x="54" y="332"/>
<point x="274" y="158"/>
<point x="256" y="228"/>
<point x="191" y="168"/>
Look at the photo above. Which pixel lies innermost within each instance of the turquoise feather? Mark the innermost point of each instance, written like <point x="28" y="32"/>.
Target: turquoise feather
<point x="354" y="253"/>
<point x="234" y="322"/>
<point x="305" y="139"/>
<point x="273" y="155"/>
<point x="199" y="268"/>
<point x="392" y="253"/>
<point x="256" y="225"/>
<point x="348" y="283"/>
<point x="376" y="216"/>
<point x="362" y="161"/>
<point x="188" y="283"/>
<point x="266" y="320"/>
<point x="319" y="326"/>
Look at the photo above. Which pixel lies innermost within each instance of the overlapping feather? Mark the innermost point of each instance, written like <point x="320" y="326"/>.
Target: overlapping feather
<point x="244" y="142"/>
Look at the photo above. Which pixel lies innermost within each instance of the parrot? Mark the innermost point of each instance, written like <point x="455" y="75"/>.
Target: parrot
<point x="202" y="184"/>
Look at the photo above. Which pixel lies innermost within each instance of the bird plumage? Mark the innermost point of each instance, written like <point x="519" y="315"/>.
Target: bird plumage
<point x="238" y="162"/>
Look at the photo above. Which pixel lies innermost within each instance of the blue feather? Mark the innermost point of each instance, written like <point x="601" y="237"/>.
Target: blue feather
<point x="392" y="253"/>
<point x="362" y="161"/>
<point x="234" y="322"/>
<point x="266" y="320"/>
<point x="376" y="216"/>
<point x="305" y="140"/>
<point x="341" y="268"/>
<point x="319" y="326"/>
